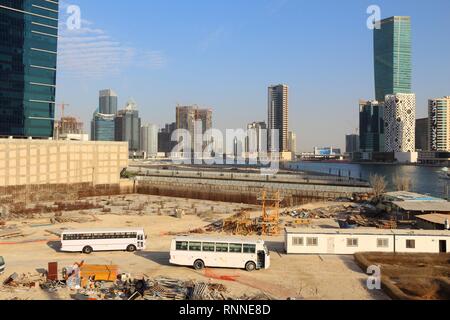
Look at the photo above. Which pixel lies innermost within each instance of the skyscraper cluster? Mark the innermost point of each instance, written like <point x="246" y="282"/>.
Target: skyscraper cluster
<point x="388" y="124"/>
<point x="111" y="124"/>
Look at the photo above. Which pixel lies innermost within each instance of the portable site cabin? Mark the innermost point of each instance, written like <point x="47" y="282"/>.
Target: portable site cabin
<point x="351" y="241"/>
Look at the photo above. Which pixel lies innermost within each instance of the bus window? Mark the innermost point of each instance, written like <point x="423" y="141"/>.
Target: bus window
<point x="195" y="246"/>
<point x="182" y="245"/>
<point x="209" y="247"/>
<point x="249" y="248"/>
<point x="221" y="247"/>
<point x="235" y="248"/>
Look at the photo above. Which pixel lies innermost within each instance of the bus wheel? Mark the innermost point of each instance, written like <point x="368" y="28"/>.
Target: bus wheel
<point x="199" y="265"/>
<point x="250" y="266"/>
<point x="87" y="250"/>
<point x="131" y="248"/>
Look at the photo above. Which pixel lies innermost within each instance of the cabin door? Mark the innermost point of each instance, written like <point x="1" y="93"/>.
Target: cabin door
<point x="443" y="246"/>
<point x="261" y="260"/>
<point x="331" y="246"/>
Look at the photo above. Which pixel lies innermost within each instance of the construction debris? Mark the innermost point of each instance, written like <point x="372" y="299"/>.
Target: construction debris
<point x="239" y="224"/>
<point x="24" y="280"/>
<point x="84" y="275"/>
<point x="10" y="233"/>
<point x="90" y="282"/>
<point x="348" y="216"/>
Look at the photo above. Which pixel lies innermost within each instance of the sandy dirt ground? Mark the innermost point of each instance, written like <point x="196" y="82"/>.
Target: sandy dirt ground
<point x="298" y="277"/>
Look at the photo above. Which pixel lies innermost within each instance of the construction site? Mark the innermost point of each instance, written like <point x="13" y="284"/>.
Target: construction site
<point x="37" y="228"/>
<point x="85" y="185"/>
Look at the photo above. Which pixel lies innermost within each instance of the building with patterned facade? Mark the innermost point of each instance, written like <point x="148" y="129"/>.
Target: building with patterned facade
<point x="400" y="123"/>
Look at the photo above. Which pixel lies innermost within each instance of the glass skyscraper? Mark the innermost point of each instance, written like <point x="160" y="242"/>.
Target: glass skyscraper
<point x="392" y="53"/>
<point x="108" y="102"/>
<point x="278" y="114"/>
<point x="102" y="127"/>
<point x="28" y="52"/>
<point x="128" y="126"/>
<point x="371" y="123"/>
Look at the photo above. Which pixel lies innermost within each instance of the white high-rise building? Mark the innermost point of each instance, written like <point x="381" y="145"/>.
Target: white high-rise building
<point x="256" y="141"/>
<point x="292" y="143"/>
<point x="400" y="123"/>
<point x="439" y="124"/>
<point x="149" y="140"/>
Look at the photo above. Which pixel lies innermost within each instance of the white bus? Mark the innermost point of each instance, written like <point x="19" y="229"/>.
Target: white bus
<point x="219" y="252"/>
<point x="90" y="240"/>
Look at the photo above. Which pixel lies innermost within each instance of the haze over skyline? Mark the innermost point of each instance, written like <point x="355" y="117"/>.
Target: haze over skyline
<point x="225" y="55"/>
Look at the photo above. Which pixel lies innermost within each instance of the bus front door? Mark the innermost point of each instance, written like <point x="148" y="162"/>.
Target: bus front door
<point x="261" y="260"/>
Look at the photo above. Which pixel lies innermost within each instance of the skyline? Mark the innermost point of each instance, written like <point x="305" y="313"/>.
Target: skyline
<point x="325" y="83"/>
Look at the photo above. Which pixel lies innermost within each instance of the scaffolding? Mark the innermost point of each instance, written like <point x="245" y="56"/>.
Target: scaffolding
<point x="68" y="125"/>
<point x="270" y="220"/>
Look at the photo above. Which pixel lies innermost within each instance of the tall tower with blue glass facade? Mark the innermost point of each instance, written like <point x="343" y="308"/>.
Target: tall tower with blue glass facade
<point x="28" y="54"/>
<point x="392" y="53"/>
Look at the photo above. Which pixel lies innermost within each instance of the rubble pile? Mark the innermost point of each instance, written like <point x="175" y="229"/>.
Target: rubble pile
<point x="103" y="282"/>
<point x="348" y="215"/>
<point x="325" y="213"/>
<point x="126" y="287"/>
<point x="23" y="281"/>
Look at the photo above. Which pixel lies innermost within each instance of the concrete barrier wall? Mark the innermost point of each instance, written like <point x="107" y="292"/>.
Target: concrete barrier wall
<point x="62" y="192"/>
<point x="26" y="162"/>
<point x="300" y="178"/>
<point x="240" y="191"/>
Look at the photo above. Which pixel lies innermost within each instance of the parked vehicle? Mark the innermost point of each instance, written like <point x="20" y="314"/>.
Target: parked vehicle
<point x="90" y="240"/>
<point x="219" y="252"/>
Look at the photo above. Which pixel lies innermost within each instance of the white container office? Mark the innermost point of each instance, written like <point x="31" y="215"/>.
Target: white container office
<point x="351" y="241"/>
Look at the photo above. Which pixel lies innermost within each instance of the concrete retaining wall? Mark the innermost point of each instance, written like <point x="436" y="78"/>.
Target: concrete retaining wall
<point x="241" y="191"/>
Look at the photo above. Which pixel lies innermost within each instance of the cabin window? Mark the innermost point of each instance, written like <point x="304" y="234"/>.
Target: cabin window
<point x="297" y="241"/>
<point x="209" y="247"/>
<point x="410" y="244"/>
<point x="221" y="247"/>
<point x="195" y="246"/>
<point x="182" y="245"/>
<point x="249" y="248"/>
<point x="235" y="248"/>
<point x="312" y="242"/>
<point x="352" y="242"/>
<point x="383" y="243"/>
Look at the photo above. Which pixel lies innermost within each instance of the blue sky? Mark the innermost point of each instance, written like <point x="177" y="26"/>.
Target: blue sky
<point x="224" y="54"/>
